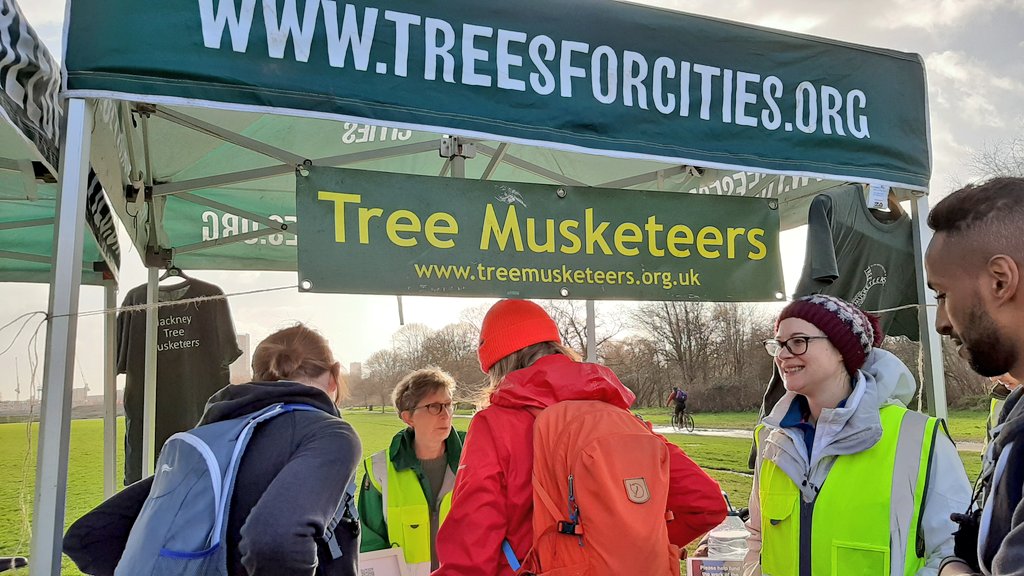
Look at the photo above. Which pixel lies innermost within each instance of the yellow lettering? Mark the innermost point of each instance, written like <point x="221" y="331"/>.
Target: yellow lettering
<point x="595" y="235"/>
<point x="432" y="229"/>
<point x="752" y="236"/>
<point x="395" y="225"/>
<point x="709" y="236"/>
<point x="733" y="233"/>
<point x="501" y="234"/>
<point x="653" y="228"/>
<point x="627" y="232"/>
<point x="364" y="222"/>
<point x="574" y="245"/>
<point x="531" y="235"/>
<point x="339" y="199"/>
<point x="679" y="234"/>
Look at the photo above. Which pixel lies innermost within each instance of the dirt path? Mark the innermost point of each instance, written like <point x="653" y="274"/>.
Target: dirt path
<point x="966" y="445"/>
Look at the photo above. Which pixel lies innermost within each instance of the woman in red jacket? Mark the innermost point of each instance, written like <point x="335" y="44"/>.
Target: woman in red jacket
<point x="529" y="369"/>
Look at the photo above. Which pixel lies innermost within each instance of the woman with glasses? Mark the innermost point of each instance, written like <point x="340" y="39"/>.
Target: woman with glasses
<point x="407" y="490"/>
<point x="848" y="480"/>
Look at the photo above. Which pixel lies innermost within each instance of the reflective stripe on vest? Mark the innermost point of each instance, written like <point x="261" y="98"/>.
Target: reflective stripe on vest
<point x="866" y="517"/>
<point x="406" y="512"/>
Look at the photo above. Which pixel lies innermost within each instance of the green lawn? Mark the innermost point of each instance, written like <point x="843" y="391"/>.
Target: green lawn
<point x="724" y="458"/>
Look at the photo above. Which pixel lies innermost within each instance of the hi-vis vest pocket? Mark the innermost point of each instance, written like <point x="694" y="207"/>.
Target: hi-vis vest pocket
<point x="415" y="523"/>
<point x="778" y="507"/>
<point x="780" y="532"/>
<point x="851" y="559"/>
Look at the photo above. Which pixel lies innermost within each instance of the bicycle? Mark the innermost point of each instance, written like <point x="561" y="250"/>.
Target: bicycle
<point x="682" y="420"/>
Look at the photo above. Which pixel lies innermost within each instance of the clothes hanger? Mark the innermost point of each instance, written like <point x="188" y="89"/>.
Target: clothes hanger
<point x="173" y="271"/>
<point x="894" y="213"/>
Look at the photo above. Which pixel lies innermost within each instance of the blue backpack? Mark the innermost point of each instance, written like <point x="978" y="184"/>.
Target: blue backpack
<point x="182" y="527"/>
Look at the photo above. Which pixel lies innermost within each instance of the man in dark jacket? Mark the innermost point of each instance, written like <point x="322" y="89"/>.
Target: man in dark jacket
<point x="291" y="478"/>
<point x="975" y="265"/>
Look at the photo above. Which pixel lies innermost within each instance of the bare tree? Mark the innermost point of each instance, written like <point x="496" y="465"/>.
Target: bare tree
<point x="381" y="372"/>
<point x="1005" y="158"/>
<point x="684" y="330"/>
<point x="571" y="318"/>
<point x="408" y="343"/>
<point x="640" y="365"/>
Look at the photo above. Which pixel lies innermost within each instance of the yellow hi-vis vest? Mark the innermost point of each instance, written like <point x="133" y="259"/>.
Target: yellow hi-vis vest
<point x="866" y="517"/>
<point x="406" y="511"/>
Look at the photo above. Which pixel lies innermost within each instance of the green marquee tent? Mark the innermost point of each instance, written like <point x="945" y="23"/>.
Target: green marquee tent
<point x="200" y="116"/>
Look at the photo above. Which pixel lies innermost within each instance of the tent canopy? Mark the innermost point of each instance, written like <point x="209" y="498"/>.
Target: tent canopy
<point x="225" y="99"/>
<point x="29" y="139"/>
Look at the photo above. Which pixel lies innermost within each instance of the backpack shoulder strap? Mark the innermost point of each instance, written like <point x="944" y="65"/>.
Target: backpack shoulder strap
<point x="346" y="516"/>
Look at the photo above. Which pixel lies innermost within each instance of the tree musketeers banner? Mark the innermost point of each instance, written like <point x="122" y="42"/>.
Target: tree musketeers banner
<point x="377" y="233"/>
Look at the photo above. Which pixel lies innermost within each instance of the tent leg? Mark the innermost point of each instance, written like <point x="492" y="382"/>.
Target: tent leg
<point x="58" y="372"/>
<point x="931" y="342"/>
<point x="591" y="333"/>
<point x="109" y="390"/>
<point x="149" y="396"/>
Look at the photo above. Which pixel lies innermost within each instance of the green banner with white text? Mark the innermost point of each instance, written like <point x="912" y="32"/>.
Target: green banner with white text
<point x="373" y="232"/>
<point x="580" y="75"/>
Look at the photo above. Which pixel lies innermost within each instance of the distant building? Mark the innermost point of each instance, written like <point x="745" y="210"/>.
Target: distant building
<point x="241" y="369"/>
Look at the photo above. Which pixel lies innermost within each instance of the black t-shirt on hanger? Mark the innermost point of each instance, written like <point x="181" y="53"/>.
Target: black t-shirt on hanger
<point x="195" y="345"/>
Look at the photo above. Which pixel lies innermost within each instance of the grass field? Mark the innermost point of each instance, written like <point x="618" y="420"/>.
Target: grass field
<point x="724" y="458"/>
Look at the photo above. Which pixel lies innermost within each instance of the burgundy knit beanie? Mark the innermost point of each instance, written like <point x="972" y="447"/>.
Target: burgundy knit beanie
<point x="851" y="330"/>
<point x="510" y="326"/>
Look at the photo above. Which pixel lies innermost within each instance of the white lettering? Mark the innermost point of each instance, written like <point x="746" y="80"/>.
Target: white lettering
<point x="634" y="72"/>
<point x="565" y="68"/>
<point x="471" y="55"/>
<point x="743" y="98"/>
<point x="433" y="50"/>
<point x="664" y="69"/>
<point x="279" y="32"/>
<point x="351" y="36"/>
<point x="597" y="72"/>
<point x="402" y="22"/>
<point x="543" y="72"/>
<point x="706" y="74"/>
<point x="506" y="60"/>
<point x="238" y="23"/>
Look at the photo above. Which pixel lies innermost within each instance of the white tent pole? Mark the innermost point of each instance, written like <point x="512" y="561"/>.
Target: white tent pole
<point x="109" y="389"/>
<point x="458" y="167"/>
<point x="58" y="371"/>
<point x="149" y="396"/>
<point x="591" y="332"/>
<point x="931" y="342"/>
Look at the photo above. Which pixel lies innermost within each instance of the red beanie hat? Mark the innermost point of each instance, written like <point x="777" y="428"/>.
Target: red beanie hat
<point x="510" y="326"/>
<point x="851" y="330"/>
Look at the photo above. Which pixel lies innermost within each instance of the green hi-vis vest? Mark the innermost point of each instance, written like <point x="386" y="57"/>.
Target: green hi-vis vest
<point x="865" y="521"/>
<point x="406" y="511"/>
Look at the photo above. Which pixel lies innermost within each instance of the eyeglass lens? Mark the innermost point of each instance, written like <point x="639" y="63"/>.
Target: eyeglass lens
<point x="435" y="408"/>
<point x="796" y="345"/>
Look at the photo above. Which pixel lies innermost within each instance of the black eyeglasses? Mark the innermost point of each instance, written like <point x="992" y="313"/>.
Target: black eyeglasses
<point x="796" y="345"/>
<point x="435" y="408"/>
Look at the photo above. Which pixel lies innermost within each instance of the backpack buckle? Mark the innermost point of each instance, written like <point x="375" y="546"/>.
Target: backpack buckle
<point x="570" y="528"/>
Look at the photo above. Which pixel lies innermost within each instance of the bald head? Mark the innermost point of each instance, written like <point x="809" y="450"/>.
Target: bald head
<point x="983" y="220"/>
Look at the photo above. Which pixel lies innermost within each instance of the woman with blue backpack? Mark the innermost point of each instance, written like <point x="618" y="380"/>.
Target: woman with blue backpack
<point x="283" y="465"/>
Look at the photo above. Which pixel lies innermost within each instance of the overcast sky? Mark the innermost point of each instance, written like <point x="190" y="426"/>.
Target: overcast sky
<point x="973" y="51"/>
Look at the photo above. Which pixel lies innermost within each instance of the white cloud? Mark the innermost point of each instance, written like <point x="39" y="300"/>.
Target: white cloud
<point x="969" y="89"/>
<point x="938" y="14"/>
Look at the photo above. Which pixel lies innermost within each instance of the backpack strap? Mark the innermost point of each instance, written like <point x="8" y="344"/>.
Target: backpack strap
<point x="513" y="562"/>
<point x="346" y="516"/>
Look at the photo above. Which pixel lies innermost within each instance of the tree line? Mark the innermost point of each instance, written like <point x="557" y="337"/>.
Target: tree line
<point x="711" y="349"/>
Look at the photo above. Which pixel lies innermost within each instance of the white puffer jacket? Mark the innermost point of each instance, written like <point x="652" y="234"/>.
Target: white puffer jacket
<point x="855" y="427"/>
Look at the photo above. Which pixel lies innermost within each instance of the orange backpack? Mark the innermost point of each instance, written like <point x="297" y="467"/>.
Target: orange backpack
<point x="600" y="489"/>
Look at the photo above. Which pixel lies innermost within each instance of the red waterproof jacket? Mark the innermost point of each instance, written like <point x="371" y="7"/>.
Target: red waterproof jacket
<point x="493" y="497"/>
